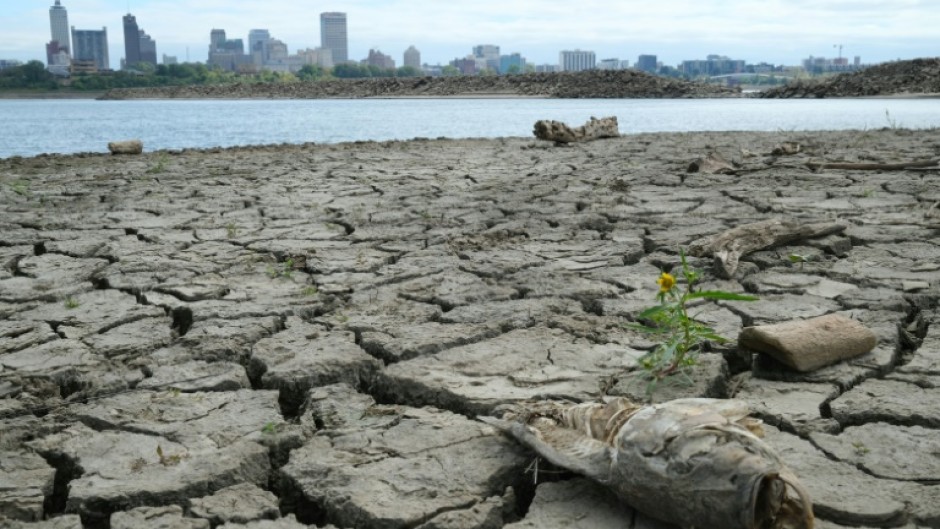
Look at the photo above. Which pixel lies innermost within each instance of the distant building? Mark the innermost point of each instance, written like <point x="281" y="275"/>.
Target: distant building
<point x="56" y="54"/>
<point x="412" y="57"/>
<point x="713" y="65"/>
<point x="547" y="68"/>
<point x="9" y="63"/>
<point x="647" y="63"/>
<point x="466" y="66"/>
<point x="512" y="62"/>
<point x="228" y="54"/>
<point x="317" y="56"/>
<point x="487" y="56"/>
<point x="333" y="36"/>
<point x="59" y="24"/>
<point x="170" y="59"/>
<point x="613" y="64"/>
<point x="576" y="60"/>
<point x="131" y="41"/>
<point x="258" y="40"/>
<point x="379" y="59"/>
<point x="277" y="50"/>
<point x="148" y="49"/>
<point x="91" y="46"/>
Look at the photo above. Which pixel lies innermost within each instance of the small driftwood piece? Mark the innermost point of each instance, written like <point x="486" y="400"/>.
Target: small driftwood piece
<point x="916" y="164"/>
<point x="126" y="147"/>
<point x="688" y="462"/>
<point x="786" y="148"/>
<point x="807" y="345"/>
<point x="592" y="130"/>
<point x="714" y="163"/>
<point x="728" y="247"/>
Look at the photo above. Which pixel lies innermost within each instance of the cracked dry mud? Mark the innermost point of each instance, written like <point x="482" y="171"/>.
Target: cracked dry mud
<point x="290" y="336"/>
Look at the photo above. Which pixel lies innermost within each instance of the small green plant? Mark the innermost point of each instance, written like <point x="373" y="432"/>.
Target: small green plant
<point x="892" y="123"/>
<point x="231" y="229"/>
<point x="684" y="337"/>
<point x="797" y="258"/>
<point x="860" y="448"/>
<point x="309" y="291"/>
<point x="868" y="193"/>
<point x="168" y="460"/>
<point x="160" y="166"/>
<point x="71" y="303"/>
<point x="269" y="428"/>
<point x="20" y="187"/>
<point x="284" y="270"/>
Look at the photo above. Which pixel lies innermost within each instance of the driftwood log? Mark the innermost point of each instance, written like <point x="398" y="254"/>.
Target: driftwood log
<point x="916" y="164"/>
<point x="714" y="163"/>
<point x="689" y="462"/>
<point x="126" y="147"/>
<point x="592" y="130"/>
<point x="728" y="247"/>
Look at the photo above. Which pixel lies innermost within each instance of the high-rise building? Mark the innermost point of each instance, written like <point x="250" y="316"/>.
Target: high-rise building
<point x="412" y="57"/>
<point x="258" y="40"/>
<point x="59" y="48"/>
<point x="148" y="49"/>
<point x="380" y="60"/>
<point x="512" y="63"/>
<point x="333" y="36"/>
<point x="227" y="54"/>
<point x="487" y="56"/>
<point x="576" y="61"/>
<point x="131" y="41"/>
<point x="647" y="63"/>
<point x="90" y="45"/>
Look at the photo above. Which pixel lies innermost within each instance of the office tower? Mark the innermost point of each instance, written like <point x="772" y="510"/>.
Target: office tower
<point x="148" y="49"/>
<point x="487" y="56"/>
<point x="258" y="41"/>
<point x="91" y="46"/>
<point x="59" y="24"/>
<point x="412" y="57"/>
<point x="216" y="39"/>
<point x="333" y="36"/>
<point x="514" y="62"/>
<point x="646" y="63"/>
<point x="576" y="61"/>
<point x="131" y="41"/>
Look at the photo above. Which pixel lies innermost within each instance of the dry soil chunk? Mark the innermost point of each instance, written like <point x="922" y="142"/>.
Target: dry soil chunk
<point x="25" y="482"/>
<point x="889" y="401"/>
<point x="170" y="517"/>
<point x="240" y="503"/>
<point x="887" y="451"/>
<point x="575" y="504"/>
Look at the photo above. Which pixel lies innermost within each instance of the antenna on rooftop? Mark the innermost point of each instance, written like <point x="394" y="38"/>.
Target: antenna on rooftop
<point x="840" y="49"/>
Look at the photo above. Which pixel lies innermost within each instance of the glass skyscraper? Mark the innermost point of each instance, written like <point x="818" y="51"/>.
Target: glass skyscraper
<point x="333" y="36"/>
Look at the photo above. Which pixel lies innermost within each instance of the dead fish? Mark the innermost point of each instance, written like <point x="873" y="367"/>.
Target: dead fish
<point x="691" y="462"/>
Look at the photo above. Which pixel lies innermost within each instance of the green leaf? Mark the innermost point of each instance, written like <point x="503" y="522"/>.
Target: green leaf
<point x="647" y="329"/>
<point x="718" y="294"/>
<point x="652" y="311"/>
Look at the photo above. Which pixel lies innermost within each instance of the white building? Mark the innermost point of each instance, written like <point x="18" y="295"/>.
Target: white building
<point x="59" y="23"/>
<point x="576" y="61"/>
<point x="412" y="57"/>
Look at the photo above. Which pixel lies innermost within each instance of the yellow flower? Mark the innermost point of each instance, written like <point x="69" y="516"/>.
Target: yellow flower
<point x="665" y="282"/>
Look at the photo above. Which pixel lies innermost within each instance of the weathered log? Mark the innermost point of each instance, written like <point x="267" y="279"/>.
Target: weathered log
<point x="815" y="166"/>
<point x="592" y="130"/>
<point x="786" y="148"/>
<point x="126" y="147"/>
<point x="729" y="246"/>
<point x="689" y="462"/>
<point x="807" y="345"/>
<point x="714" y="163"/>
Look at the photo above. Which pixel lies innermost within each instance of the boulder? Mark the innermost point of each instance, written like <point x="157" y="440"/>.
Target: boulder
<point x="807" y="345"/>
<point x="126" y="147"/>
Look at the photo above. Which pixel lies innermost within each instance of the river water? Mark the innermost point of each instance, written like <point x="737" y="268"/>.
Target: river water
<point x="30" y="127"/>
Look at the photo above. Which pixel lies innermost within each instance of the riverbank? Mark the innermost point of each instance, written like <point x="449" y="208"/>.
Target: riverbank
<point x="204" y="334"/>
<point x="589" y="84"/>
<point x="49" y="94"/>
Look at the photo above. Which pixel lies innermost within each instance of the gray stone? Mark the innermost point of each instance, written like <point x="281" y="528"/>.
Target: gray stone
<point x="409" y="341"/>
<point x="776" y="308"/>
<point x="25" y="483"/>
<point x="889" y="401"/>
<point x="240" y="503"/>
<point x="304" y="356"/>
<point x="576" y="504"/>
<point x="170" y="517"/>
<point x="126" y="147"/>
<point x="146" y="469"/>
<point x="427" y="462"/>
<point x="97" y="312"/>
<point x="795" y="407"/>
<point x="288" y="522"/>
<point x="886" y="451"/>
<point x="50" y="277"/>
<point x="512" y="314"/>
<point x="16" y="335"/>
<point x="133" y="339"/>
<point x="336" y="408"/>
<point x="68" y="521"/>
<point x="522" y="364"/>
<point x="487" y="514"/>
<point x="841" y="493"/>
<point x="708" y="378"/>
<point x="198" y="375"/>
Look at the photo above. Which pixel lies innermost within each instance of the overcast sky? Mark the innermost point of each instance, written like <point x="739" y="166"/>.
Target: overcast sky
<point x="775" y="31"/>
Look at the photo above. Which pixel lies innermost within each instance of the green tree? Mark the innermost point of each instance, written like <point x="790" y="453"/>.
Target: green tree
<point x="310" y="72"/>
<point x="408" y="71"/>
<point x="450" y="71"/>
<point x="514" y="69"/>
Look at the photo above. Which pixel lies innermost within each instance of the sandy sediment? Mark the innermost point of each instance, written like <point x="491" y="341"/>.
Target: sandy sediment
<point x="303" y="334"/>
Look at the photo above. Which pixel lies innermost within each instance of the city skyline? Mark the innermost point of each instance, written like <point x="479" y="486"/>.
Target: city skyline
<point x="775" y="31"/>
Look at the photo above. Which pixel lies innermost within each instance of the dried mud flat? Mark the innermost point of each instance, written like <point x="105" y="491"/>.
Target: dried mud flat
<point x="291" y="336"/>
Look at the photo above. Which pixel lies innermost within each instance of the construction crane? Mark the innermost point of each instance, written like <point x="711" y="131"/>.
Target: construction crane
<point x="840" y="50"/>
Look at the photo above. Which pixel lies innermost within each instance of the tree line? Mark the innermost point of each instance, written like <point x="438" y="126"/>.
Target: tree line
<point x="34" y="76"/>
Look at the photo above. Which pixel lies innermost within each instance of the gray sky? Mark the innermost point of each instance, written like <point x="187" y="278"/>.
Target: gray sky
<point x="776" y="31"/>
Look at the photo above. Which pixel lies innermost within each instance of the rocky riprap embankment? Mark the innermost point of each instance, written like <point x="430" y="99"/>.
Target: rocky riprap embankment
<point x="918" y="76"/>
<point x="199" y="338"/>
<point x="593" y="84"/>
